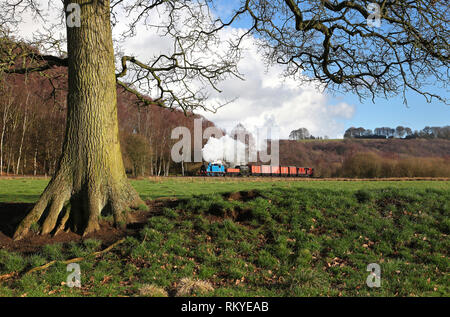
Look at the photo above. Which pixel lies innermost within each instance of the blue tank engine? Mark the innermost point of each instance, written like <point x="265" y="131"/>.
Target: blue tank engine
<point x="213" y="169"/>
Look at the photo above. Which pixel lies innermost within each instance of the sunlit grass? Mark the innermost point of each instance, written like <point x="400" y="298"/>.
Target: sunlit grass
<point x="28" y="190"/>
<point x="286" y="239"/>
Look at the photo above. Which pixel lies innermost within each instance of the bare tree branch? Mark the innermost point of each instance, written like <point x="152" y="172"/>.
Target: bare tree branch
<point x="323" y="41"/>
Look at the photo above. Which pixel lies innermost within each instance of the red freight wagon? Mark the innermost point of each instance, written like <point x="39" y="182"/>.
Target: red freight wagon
<point x="284" y="171"/>
<point x="275" y="170"/>
<point x="265" y="170"/>
<point x="310" y="172"/>
<point x="292" y="171"/>
<point x="302" y="171"/>
<point x="256" y="170"/>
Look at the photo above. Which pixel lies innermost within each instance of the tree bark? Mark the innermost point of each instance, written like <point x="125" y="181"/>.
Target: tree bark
<point x="24" y="129"/>
<point x="182" y="167"/>
<point x="167" y="169"/>
<point x="5" y="119"/>
<point x="35" y="162"/>
<point x="90" y="179"/>
<point x="2" y="136"/>
<point x="10" y="163"/>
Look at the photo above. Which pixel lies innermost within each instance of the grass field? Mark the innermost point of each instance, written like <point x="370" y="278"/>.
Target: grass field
<point x="242" y="237"/>
<point x="28" y="190"/>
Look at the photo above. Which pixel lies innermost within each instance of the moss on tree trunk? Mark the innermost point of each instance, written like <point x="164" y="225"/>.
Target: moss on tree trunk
<point x="90" y="179"/>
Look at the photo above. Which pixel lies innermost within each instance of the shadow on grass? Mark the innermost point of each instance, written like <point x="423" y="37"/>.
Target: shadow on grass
<point x="11" y="214"/>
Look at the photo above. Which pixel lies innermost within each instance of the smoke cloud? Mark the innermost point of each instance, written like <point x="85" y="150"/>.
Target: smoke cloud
<point x="225" y="149"/>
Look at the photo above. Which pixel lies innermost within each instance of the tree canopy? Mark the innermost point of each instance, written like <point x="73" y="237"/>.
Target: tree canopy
<point x="399" y="132"/>
<point x="370" y="48"/>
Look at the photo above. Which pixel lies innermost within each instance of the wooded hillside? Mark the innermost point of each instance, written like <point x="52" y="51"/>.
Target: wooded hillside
<point x="32" y="122"/>
<point x="370" y="158"/>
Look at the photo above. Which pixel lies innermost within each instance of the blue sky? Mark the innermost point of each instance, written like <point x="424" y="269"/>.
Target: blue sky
<point x="393" y="112"/>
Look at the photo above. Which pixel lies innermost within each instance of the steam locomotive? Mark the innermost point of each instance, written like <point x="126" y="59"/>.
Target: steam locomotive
<point x="219" y="169"/>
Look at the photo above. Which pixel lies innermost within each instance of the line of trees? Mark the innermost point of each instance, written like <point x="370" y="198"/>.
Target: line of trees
<point x="146" y="137"/>
<point x="303" y="134"/>
<point x="399" y="132"/>
<point x="32" y="125"/>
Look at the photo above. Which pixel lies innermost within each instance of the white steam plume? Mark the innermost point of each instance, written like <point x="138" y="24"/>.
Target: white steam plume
<point x="225" y="149"/>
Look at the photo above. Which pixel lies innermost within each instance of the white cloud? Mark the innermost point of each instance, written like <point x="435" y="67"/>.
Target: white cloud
<point x="266" y="97"/>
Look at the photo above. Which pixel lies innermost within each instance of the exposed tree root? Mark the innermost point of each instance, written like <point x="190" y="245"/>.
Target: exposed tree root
<point x="64" y="207"/>
<point x="8" y="276"/>
<point x="74" y="260"/>
<point x="52" y="199"/>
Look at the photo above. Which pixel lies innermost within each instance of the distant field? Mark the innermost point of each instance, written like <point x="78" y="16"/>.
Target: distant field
<point x="353" y="140"/>
<point x="27" y="190"/>
<point x="324" y="140"/>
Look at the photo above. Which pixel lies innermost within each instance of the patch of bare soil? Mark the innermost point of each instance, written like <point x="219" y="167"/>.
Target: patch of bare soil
<point x="12" y="213"/>
<point x="242" y="195"/>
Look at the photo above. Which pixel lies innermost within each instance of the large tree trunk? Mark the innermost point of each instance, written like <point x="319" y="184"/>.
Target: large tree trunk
<point x="90" y="173"/>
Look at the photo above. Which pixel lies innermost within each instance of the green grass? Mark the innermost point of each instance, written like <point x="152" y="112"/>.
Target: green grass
<point x="21" y="190"/>
<point x="29" y="190"/>
<point x="289" y="239"/>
